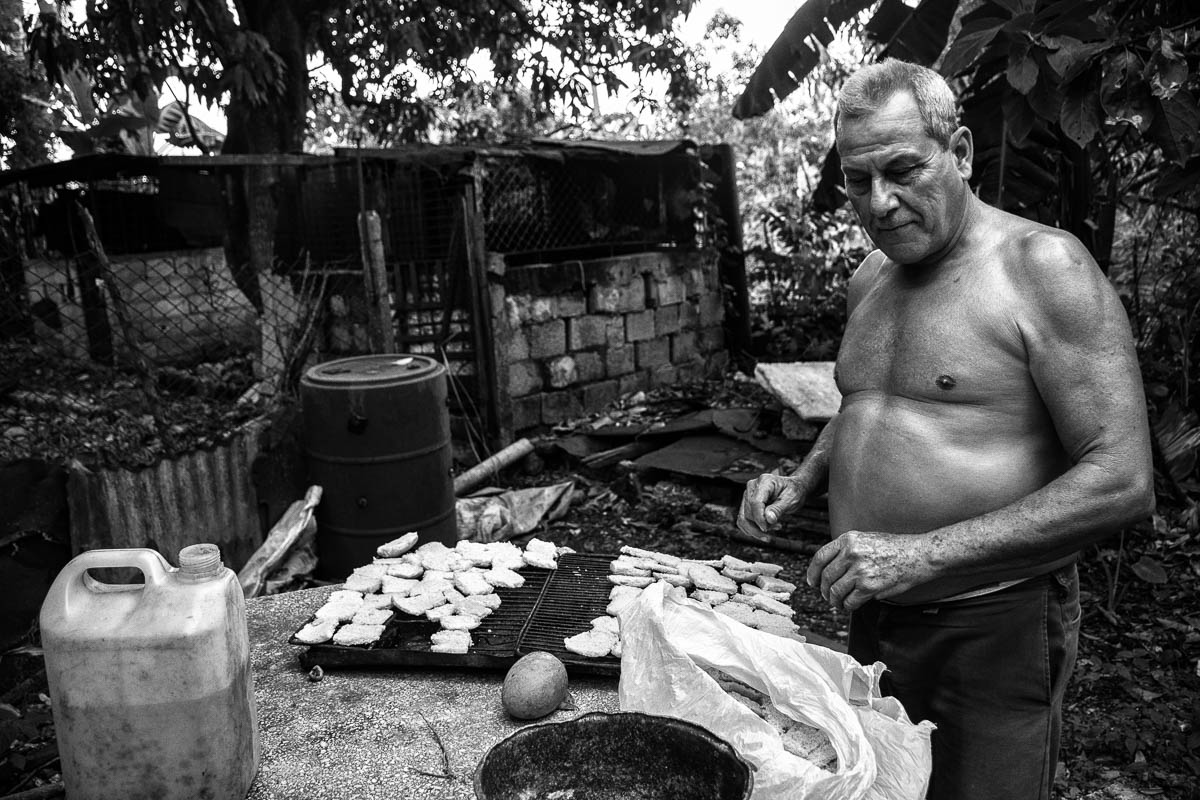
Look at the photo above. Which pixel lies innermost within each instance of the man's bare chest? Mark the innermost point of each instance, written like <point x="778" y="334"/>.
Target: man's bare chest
<point x="948" y="343"/>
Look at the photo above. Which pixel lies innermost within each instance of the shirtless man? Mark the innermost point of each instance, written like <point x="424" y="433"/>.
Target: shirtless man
<point x="992" y="426"/>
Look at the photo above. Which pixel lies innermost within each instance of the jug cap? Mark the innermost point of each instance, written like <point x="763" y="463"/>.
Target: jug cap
<point x="200" y="561"/>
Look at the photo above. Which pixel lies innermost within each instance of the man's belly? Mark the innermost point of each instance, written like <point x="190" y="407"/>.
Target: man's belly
<point x="906" y="466"/>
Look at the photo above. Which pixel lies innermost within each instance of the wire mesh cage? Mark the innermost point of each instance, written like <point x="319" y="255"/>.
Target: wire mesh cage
<point x="542" y="204"/>
<point x="121" y="260"/>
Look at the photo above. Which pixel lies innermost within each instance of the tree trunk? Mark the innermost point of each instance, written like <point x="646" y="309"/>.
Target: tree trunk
<point x="259" y="198"/>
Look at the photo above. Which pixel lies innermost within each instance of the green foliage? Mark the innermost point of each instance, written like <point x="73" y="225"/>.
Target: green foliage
<point x="372" y="54"/>
<point x="798" y="281"/>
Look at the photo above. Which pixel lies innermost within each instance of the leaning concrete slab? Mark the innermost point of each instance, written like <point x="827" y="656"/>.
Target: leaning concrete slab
<point x="806" y="387"/>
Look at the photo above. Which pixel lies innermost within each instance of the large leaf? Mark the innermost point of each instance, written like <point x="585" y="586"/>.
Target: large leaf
<point x="1081" y="117"/>
<point x="1069" y="56"/>
<point x="1022" y="70"/>
<point x="1020" y="117"/>
<point x="969" y="44"/>
<point x="792" y="57"/>
<point x="830" y="192"/>
<point x="1124" y="94"/>
<point x="1046" y="98"/>
<point x="912" y="34"/>
<point x="1068" y="18"/>
<point x="1175" y="127"/>
<point x="1173" y="182"/>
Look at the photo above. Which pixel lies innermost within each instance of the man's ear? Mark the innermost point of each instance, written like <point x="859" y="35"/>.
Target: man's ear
<point x="962" y="145"/>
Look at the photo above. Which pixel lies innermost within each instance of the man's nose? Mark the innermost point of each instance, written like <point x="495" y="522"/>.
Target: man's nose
<point x="883" y="197"/>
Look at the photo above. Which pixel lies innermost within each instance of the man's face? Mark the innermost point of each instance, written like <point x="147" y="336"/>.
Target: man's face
<point x="909" y="191"/>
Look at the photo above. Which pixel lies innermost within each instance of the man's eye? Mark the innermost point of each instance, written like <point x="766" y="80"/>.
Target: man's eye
<point x="856" y="181"/>
<point x="902" y="173"/>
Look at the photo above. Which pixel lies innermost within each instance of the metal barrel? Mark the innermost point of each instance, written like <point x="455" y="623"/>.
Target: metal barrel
<point x="377" y="437"/>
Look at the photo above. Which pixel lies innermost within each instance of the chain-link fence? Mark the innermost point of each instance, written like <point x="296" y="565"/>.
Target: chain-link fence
<point x="145" y="262"/>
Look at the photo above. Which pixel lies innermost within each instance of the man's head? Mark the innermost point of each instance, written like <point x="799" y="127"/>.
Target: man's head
<point x="905" y="158"/>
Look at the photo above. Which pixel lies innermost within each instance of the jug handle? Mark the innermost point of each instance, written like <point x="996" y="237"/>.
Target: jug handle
<point x="151" y="563"/>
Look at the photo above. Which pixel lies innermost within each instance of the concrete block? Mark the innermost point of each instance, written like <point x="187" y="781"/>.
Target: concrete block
<point x="711" y="308"/>
<point x="617" y="299"/>
<point x="639" y="326"/>
<point x="544" y="280"/>
<point x="561" y="372"/>
<point x="598" y="395"/>
<point x="515" y="345"/>
<point x="561" y="406"/>
<point x="572" y="305"/>
<point x="616" y="271"/>
<point x="711" y="339"/>
<point x="587" y="331"/>
<point x="616" y="331"/>
<point x="670" y="290"/>
<point x="666" y="320"/>
<point x="659" y="265"/>
<point x="663" y="376"/>
<point x="548" y="339"/>
<point x="527" y="309"/>
<point x="700" y="279"/>
<point x="526" y="412"/>
<point x="683" y="347"/>
<point x="524" y="378"/>
<point x="589" y="366"/>
<point x="654" y="353"/>
<point x="689" y="316"/>
<point x="619" y="361"/>
<point x="634" y="382"/>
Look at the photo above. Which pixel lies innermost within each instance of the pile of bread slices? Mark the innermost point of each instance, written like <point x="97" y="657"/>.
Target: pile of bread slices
<point x="453" y="586"/>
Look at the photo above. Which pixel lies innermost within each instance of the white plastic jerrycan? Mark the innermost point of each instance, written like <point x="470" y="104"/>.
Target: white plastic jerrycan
<point x="150" y="684"/>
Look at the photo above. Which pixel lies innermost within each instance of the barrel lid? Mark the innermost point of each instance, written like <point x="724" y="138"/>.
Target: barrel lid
<point x="384" y="368"/>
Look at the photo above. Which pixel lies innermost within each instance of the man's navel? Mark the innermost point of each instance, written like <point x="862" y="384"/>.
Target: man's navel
<point x="945" y="382"/>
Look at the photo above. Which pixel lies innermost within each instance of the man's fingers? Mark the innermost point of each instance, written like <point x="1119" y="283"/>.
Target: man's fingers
<point x="840" y="589"/>
<point x="760" y="492"/>
<point x="820" y="562"/>
<point x="834" y="571"/>
<point x="750" y="529"/>
<point x="856" y="599"/>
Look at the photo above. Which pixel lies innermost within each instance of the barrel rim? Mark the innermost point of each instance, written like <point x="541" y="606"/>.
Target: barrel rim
<point x="376" y="369"/>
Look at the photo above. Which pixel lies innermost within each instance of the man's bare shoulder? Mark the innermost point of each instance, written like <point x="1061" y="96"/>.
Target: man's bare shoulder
<point x="864" y="277"/>
<point x="1055" y="277"/>
<point x="1040" y="256"/>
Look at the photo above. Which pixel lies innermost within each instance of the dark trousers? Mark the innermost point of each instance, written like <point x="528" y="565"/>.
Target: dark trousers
<point x="990" y="672"/>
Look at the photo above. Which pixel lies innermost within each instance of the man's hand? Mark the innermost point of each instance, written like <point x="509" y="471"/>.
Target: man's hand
<point x="859" y="566"/>
<point x="768" y="497"/>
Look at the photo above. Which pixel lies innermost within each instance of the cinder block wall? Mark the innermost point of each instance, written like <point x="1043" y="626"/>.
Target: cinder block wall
<point x="571" y="337"/>
<point x="180" y="302"/>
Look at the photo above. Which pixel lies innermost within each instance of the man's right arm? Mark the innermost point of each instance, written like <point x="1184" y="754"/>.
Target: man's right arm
<point x="769" y="497"/>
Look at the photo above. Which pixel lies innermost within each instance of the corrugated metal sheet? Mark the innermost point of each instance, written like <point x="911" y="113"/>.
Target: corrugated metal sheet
<point x="204" y="496"/>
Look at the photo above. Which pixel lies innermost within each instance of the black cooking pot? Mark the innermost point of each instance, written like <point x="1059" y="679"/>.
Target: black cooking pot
<point x="601" y="756"/>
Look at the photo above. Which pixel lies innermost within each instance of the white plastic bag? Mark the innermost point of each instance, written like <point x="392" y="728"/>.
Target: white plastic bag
<point x="666" y="640"/>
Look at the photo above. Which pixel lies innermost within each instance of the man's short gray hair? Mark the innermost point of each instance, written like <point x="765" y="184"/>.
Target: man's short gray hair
<point x="873" y="85"/>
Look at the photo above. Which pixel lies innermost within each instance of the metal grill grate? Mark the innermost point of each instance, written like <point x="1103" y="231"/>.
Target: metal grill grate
<point x="576" y="593"/>
<point x="548" y="608"/>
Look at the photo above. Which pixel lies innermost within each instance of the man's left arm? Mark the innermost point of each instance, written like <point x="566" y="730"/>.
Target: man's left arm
<point x="1082" y="360"/>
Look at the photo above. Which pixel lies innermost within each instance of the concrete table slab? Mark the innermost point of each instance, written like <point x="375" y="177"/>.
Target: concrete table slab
<point x="374" y="734"/>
